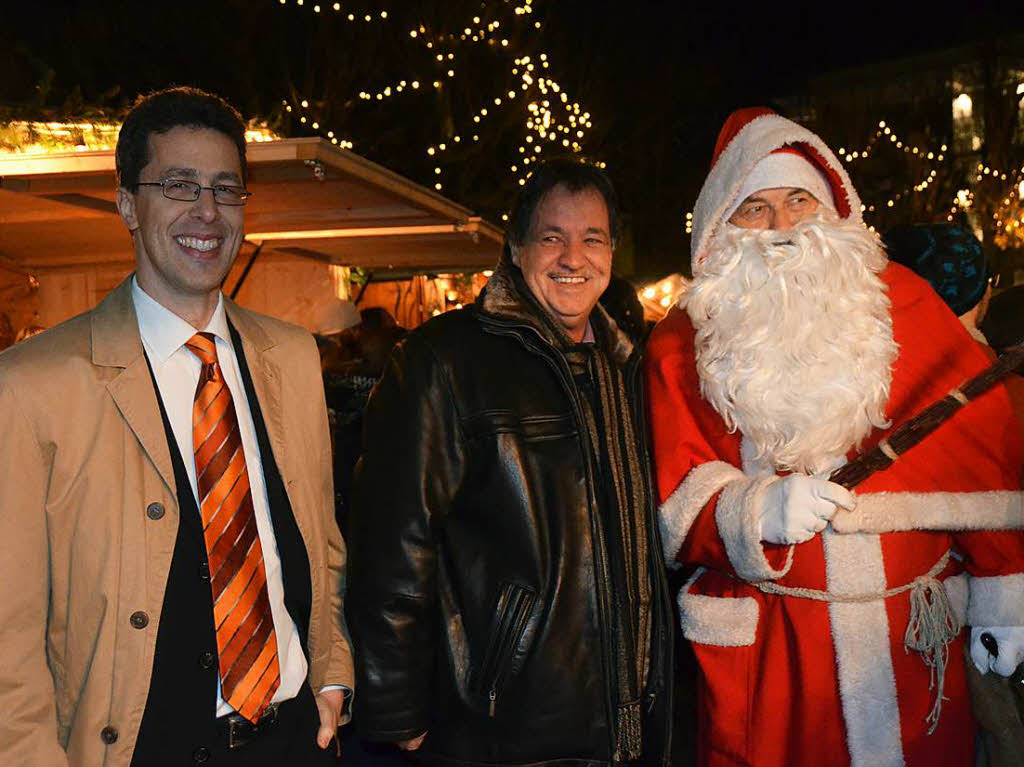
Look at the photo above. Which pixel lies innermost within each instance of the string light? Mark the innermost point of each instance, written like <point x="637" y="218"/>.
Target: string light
<point x="1007" y="215"/>
<point x="552" y="120"/>
<point x="336" y="7"/>
<point x="885" y="134"/>
<point x="301" y="107"/>
<point x="27" y="137"/>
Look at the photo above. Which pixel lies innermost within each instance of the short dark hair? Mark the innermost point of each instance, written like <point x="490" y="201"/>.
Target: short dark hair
<point x="574" y="175"/>
<point x="159" y="112"/>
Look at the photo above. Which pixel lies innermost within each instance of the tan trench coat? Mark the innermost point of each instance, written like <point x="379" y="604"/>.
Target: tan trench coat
<point x="83" y="453"/>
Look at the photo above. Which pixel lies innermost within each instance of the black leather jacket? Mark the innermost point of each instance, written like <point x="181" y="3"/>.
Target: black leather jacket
<point x="473" y="598"/>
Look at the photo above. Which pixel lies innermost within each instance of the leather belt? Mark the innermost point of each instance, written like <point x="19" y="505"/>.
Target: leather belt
<point x="236" y="730"/>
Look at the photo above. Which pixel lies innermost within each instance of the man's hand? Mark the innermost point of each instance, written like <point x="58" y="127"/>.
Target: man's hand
<point x="1010" y="646"/>
<point x="412" y="744"/>
<point x="328" y="705"/>
<point x="798" y="507"/>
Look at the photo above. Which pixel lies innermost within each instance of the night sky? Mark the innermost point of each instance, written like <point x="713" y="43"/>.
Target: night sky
<point x="659" y="76"/>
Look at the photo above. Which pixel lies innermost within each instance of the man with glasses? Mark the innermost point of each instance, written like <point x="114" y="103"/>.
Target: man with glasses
<point x="172" y="568"/>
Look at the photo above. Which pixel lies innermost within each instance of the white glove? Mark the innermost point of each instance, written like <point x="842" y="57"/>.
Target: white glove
<point x="1011" y="649"/>
<point x="798" y="507"/>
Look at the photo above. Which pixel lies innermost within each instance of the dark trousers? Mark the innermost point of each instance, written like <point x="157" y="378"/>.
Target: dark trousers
<point x="292" y="740"/>
<point x="356" y="752"/>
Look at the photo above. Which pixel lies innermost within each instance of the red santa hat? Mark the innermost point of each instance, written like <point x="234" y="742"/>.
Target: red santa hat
<point x="760" y="149"/>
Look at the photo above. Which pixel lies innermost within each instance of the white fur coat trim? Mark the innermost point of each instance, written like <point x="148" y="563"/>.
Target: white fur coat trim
<point x="996" y="601"/>
<point x="958" y="590"/>
<point x="860" y="636"/>
<point x="738" y="516"/>
<point x="677" y="514"/>
<point x="895" y="512"/>
<point x="719" y="621"/>
<point x="756" y="140"/>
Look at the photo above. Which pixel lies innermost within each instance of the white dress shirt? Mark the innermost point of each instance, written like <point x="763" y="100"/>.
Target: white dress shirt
<point x="176" y="370"/>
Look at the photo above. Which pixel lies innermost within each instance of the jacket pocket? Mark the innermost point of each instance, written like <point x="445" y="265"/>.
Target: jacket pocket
<point x="508" y="629"/>
<point x="531" y="428"/>
<point x="721" y="621"/>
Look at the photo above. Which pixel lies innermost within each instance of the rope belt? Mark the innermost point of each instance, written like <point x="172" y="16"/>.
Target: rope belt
<point x="932" y="625"/>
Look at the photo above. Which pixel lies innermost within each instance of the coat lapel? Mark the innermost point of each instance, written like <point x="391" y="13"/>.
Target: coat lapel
<point x="116" y="343"/>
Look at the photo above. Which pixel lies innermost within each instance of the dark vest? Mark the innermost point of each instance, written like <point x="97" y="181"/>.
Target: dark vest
<point x="180" y="708"/>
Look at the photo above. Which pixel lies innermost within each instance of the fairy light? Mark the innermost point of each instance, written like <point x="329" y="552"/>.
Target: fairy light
<point x="27" y="137"/>
<point x="552" y="120"/>
<point x="1007" y="216"/>
<point x="337" y="8"/>
<point x="885" y="135"/>
<point x="327" y="133"/>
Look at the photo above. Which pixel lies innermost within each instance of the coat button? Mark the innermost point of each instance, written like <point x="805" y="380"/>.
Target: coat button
<point x="155" y="511"/>
<point x="206" y="660"/>
<point x="201" y="755"/>
<point x="139" y="620"/>
<point x="108" y="735"/>
<point x="204" y="571"/>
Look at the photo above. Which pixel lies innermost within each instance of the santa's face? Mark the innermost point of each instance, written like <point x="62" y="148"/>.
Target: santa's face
<point x="794" y="341"/>
<point x="779" y="209"/>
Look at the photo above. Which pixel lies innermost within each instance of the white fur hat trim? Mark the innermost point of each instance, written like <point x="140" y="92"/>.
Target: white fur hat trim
<point x="785" y="169"/>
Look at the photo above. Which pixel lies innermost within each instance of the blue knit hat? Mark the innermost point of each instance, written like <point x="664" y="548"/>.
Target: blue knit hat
<point x="948" y="256"/>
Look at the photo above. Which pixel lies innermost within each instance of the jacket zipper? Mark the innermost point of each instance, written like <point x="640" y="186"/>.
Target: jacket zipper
<point x="604" y="609"/>
<point x="515" y="605"/>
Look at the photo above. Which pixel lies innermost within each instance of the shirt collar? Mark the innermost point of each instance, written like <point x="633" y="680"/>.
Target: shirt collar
<point x="164" y="332"/>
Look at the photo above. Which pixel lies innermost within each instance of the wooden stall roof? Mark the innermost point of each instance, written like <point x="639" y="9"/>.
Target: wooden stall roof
<point x="310" y="200"/>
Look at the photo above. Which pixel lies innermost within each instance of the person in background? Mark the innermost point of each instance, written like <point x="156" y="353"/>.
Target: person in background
<point x="507" y="599"/>
<point x="1003" y="323"/>
<point x="826" y="623"/>
<point x="377" y="317"/>
<point x="621" y="302"/>
<point x="953" y="262"/>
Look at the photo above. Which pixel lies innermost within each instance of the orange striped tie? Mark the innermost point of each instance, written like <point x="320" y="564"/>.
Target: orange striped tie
<point x="246" y="641"/>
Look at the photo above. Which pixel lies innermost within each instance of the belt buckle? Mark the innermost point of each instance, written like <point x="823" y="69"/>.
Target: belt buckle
<point x="241" y="731"/>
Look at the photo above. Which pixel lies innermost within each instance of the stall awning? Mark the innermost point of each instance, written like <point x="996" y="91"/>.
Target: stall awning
<point x="311" y="200"/>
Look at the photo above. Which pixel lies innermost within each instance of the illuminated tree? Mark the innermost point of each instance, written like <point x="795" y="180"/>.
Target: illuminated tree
<point x="458" y="95"/>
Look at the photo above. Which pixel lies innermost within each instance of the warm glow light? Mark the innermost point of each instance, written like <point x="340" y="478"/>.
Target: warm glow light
<point x="367" y="231"/>
<point x="962" y="107"/>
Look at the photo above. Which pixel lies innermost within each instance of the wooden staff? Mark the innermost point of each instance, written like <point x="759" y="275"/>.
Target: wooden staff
<point x="927" y="421"/>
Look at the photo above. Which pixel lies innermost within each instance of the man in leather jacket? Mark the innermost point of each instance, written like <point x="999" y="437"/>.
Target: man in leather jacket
<point x="506" y="595"/>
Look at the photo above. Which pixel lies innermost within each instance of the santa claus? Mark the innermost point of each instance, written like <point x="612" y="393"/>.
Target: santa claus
<point x="829" y="625"/>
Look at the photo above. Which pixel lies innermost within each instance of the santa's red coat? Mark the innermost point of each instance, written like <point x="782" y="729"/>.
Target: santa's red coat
<point x="790" y="681"/>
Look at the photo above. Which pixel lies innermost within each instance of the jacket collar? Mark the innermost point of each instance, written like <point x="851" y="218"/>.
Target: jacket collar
<point x="116" y="341"/>
<point x="507" y="298"/>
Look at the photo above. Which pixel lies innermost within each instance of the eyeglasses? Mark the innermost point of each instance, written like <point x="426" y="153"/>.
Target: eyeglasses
<point x="189" y="191"/>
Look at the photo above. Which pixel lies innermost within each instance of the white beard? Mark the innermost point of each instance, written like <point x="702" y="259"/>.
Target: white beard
<point x="794" y="341"/>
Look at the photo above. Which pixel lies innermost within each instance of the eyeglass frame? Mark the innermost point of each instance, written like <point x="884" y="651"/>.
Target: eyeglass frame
<point x="244" y="193"/>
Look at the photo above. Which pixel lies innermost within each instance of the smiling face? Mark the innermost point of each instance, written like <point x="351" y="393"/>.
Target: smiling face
<point x="567" y="258"/>
<point x="184" y="250"/>
<point x="778" y="209"/>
